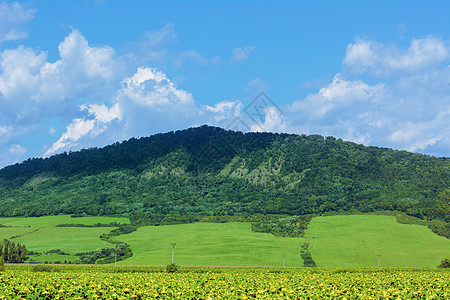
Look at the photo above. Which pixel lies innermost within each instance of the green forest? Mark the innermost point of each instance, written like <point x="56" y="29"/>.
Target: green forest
<point x="192" y="174"/>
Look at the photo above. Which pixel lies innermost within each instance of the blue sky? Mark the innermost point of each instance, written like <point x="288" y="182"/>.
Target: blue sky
<point x="77" y="74"/>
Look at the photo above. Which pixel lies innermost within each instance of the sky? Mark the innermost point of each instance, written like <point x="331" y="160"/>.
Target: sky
<point x="88" y="73"/>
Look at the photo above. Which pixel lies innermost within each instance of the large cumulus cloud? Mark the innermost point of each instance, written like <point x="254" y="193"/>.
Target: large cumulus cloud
<point x="385" y="96"/>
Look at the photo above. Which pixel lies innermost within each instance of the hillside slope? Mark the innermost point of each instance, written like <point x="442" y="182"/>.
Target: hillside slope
<point x="211" y="171"/>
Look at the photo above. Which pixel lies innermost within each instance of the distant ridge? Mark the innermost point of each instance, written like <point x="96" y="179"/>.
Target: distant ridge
<point x="212" y="171"/>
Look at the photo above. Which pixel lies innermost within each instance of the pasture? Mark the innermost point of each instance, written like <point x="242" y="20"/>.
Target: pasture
<point x="356" y="240"/>
<point x="210" y="244"/>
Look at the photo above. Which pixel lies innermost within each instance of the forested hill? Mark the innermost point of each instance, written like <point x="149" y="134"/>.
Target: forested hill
<point x="212" y="171"/>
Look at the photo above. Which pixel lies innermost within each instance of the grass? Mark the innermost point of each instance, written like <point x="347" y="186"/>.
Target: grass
<point x="356" y="240"/>
<point x="41" y="234"/>
<point x="59" y="219"/>
<point x="8" y="233"/>
<point x="68" y="239"/>
<point x="210" y="244"/>
<point x="335" y="241"/>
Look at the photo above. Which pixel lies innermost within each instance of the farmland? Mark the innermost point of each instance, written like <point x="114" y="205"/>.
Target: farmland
<point x="334" y="241"/>
<point x="42" y="234"/>
<point x="219" y="283"/>
<point x="211" y="244"/>
<point x="356" y="240"/>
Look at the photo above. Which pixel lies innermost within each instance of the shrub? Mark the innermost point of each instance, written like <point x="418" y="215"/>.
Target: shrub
<point x="44" y="268"/>
<point x="445" y="263"/>
<point x="308" y="261"/>
<point x="172" y="268"/>
<point x="2" y="264"/>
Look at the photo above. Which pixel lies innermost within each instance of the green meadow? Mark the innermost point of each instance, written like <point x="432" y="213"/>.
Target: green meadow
<point x="51" y="221"/>
<point x="357" y="240"/>
<point x="334" y="241"/>
<point x="210" y="244"/>
<point x="40" y="234"/>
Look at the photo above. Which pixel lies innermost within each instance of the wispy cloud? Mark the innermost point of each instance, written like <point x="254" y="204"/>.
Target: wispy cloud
<point x="241" y="53"/>
<point x="380" y="60"/>
<point x="13" y="19"/>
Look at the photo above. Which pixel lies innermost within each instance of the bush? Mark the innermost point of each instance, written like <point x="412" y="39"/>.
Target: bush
<point x="44" y="268"/>
<point x="2" y="264"/>
<point x="308" y="261"/>
<point x="172" y="268"/>
<point x="445" y="263"/>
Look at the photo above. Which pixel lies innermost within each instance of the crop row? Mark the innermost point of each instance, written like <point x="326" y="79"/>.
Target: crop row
<point x="227" y="284"/>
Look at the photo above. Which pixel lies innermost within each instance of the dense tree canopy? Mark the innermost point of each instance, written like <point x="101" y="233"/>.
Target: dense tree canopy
<point x="211" y="171"/>
<point x="11" y="252"/>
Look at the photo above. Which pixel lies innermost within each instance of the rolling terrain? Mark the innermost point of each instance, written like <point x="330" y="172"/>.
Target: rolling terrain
<point x="229" y="198"/>
<point x="344" y="241"/>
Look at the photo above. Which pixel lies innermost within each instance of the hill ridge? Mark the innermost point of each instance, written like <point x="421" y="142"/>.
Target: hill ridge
<point x="209" y="170"/>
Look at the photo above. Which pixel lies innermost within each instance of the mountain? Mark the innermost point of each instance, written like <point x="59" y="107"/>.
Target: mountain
<point x="207" y="171"/>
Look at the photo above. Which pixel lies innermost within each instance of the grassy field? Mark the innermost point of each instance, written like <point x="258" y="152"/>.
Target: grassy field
<point x="41" y="234"/>
<point x="50" y="221"/>
<point x="210" y="244"/>
<point x="335" y="241"/>
<point x="355" y="241"/>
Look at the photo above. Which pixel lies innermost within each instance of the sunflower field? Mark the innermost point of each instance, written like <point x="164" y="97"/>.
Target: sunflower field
<point x="223" y="283"/>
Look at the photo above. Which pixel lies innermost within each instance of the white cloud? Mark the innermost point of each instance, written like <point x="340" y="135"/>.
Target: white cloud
<point x="380" y="60"/>
<point x="83" y="60"/>
<point x="153" y="45"/>
<point x="17" y="150"/>
<point x="191" y="55"/>
<point x="32" y="89"/>
<point x="145" y="103"/>
<point x="241" y="53"/>
<point x="224" y="111"/>
<point x="21" y="68"/>
<point x="338" y="99"/>
<point x="3" y="130"/>
<point x="273" y="122"/>
<point x="90" y="128"/>
<point x="11" y="154"/>
<point x="159" y="38"/>
<point x="28" y="76"/>
<point x="102" y="113"/>
<point x="404" y="113"/>
<point x="13" y="18"/>
<point x="408" y="110"/>
<point x="150" y="87"/>
<point x="156" y="48"/>
<point x="77" y="129"/>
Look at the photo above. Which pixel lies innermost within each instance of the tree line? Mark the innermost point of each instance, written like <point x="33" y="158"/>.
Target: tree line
<point x="12" y="252"/>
